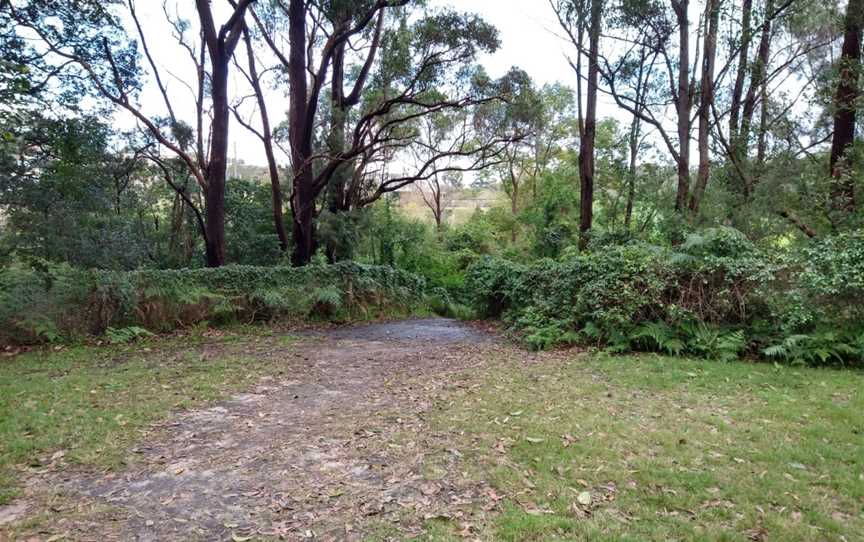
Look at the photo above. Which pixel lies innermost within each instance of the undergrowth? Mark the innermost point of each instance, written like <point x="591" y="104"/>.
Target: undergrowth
<point x="715" y="296"/>
<point x="57" y="303"/>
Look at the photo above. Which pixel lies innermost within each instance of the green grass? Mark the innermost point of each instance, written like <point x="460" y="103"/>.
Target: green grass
<point x="86" y="405"/>
<point x="667" y="449"/>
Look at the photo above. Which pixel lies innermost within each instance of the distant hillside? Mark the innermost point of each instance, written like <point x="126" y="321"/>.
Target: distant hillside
<point x="465" y="202"/>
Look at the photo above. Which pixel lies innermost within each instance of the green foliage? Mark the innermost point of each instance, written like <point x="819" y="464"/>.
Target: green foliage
<point x="326" y="302"/>
<point x="125" y="335"/>
<point x="716" y="296"/>
<point x="818" y="348"/>
<point x="56" y="302"/>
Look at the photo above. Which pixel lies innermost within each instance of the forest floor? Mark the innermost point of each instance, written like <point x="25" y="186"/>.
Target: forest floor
<point x="421" y="429"/>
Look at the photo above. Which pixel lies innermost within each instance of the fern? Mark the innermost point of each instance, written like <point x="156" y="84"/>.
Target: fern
<point x="658" y="335"/>
<point x="125" y="335"/>
<point x="325" y="302"/>
<point x="714" y="343"/>
<point x="818" y="348"/>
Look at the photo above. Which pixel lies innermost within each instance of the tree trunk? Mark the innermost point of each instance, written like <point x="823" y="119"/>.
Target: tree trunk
<point x="631" y="173"/>
<point x="220" y="48"/>
<point x="214" y="195"/>
<point x="706" y="100"/>
<point x="514" y="204"/>
<point x="635" y="133"/>
<point x="586" y="144"/>
<point x="681" y="8"/>
<point x="843" y="189"/>
<point x="267" y="136"/>
<point x="741" y="72"/>
<point x="338" y="198"/>
<point x="303" y="195"/>
<point x="757" y="81"/>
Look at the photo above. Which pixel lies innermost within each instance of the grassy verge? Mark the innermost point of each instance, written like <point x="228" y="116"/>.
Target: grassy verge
<point x="651" y="448"/>
<point x="86" y="405"/>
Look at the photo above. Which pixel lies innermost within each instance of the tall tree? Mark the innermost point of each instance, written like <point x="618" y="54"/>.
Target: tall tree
<point x="706" y="102"/>
<point x="683" y="101"/>
<point x="845" y="105"/>
<point x="265" y="134"/>
<point x="587" y="142"/>
<point x="92" y="40"/>
<point x="743" y="44"/>
<point x="220" y="47"/>
<point x="424" y="55"/>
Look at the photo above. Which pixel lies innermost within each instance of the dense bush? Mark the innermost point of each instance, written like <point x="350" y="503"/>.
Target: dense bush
<point x="55" y="302"/>
<point x="715" y="295"/>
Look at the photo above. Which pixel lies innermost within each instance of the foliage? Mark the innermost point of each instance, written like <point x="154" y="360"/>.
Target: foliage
<point x="125" y="334"/>
<point x="56" y="302"/>
<point x="713" y="296"/>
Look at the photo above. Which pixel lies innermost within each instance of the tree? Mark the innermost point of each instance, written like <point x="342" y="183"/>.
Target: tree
<point x="706" y="102"/>
<point x="253" y="76"/>
<point x="587" y="141"/>
<point x="93" y="40"/>
<point x="423" y="56"/>
<point x="539" y="125"/>
<point x="845" y="105"/>
<point x="435" y="134"/>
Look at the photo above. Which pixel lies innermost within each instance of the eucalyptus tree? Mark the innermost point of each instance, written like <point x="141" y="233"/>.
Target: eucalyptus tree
<point x="846" y="102"/>
<point x="87" y="41"/>
<point x="573" y="16"/>
<point x="388" y="62"/>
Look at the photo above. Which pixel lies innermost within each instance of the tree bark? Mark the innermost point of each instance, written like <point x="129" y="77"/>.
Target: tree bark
<point x="757" y="81"/>
<point x="681" y="8"/>
<point x="587" y="142"/>
<point x="220" y="47"/>
<point x="843" y="188"/>
<point x="303" y="195"/>
<point x="741" y="72"/>
<point x="706" y="101"/>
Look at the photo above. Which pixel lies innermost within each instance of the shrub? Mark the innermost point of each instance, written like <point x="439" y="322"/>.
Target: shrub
<point x="56" y="302"/>
<point x="716" y="295"/>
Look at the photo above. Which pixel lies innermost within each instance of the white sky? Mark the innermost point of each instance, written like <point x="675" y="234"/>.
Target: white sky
<point x="527" y="33"/>
<point x="528" y="30"/>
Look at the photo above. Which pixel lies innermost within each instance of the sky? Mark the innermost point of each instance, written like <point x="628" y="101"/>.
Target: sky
<point x="527" y="33"/>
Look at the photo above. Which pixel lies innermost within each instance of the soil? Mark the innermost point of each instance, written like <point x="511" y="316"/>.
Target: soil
<point x="337" y="448"/>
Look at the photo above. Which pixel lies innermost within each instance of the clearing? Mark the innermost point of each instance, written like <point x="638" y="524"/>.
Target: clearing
<point x="427" y="429"/>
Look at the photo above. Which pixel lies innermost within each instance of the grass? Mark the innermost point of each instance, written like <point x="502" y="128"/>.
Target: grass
<point x="579" y="447"/>
<point x="651" y="448"/>
<point x="87" y="405"/>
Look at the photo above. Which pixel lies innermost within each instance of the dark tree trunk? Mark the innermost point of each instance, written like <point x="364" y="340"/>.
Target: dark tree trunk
<point x="758" y="80"/>
<point x="843" y="189"/>
<point x="220" y="47"/>
<point x="303" y="195"/>
<point x="741" y="72"/>
<point x="586" y="144"/>
<point x="214" y="196"/>
<point x="681" y="8"/>
<point x="706" y="100"/>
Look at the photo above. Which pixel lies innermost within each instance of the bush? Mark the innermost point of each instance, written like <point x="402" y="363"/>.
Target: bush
<point x="57" y="302"/>
<point x="716" y="296"/>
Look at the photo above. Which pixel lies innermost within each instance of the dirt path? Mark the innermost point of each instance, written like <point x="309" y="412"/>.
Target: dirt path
<point x="332" y="451"/>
